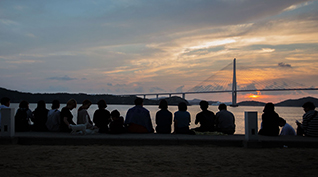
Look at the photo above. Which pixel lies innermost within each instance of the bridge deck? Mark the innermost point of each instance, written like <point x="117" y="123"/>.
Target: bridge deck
<point x="48" y="138"/>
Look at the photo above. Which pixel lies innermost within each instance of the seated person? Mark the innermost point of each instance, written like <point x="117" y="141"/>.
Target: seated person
<point x="40" y="117"/>
<point x="163" y="118"/>
<point x="225" y="120"/>
<point x="309" y="127"/>
<point x="182" y="120"/>
<point x="53" y="117"/>
<point x="287" y="129"/>
<point x="206" y="118"/>
<point x="270" y="121"/>
<point x="23" y="117"/>
<point x="138" y="118"/>
<point x="117" y="123"/>
<point x="101" y="117"/>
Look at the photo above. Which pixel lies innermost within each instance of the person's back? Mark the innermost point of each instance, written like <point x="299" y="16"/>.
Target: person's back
<point x="40" y="117"/>
<point x="270" y="125"/>
<point x="101" y="117"/>
<point x="288" y="130"/>
<point x="163" y="118"/>
<point x="163" y="121"/>
<point x="225" y="120"/>
<point x="312" y="124"/>
<point x="22" y="117"/>
<point x="53" y="120"/>
<point x="116" y="126"/>
<point x="138" y="118"/>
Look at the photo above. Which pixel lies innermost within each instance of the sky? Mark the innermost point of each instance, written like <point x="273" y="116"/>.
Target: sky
<point x="159" y="46"/>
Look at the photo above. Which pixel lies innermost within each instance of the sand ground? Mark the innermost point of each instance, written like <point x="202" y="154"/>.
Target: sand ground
<point x="97" y="160"/>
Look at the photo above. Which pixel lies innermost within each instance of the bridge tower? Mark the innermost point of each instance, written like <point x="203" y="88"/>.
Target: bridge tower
<point x="234" y="86"/>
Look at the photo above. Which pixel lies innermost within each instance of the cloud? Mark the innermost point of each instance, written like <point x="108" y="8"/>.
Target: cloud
<point x="284" y="65"/>
<point x="64" y="78"/>
<point x="109" y="84"/>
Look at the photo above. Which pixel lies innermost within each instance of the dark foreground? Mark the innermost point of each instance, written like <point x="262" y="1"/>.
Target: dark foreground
<point x="181" y="160"/>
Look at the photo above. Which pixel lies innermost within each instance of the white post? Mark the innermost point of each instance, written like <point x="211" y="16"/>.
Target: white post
<point x="7" y="122"/>
<point x="251" y="128"/>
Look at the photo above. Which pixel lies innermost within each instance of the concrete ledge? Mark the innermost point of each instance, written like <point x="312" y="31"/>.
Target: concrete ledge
<point x="49" y="138"/>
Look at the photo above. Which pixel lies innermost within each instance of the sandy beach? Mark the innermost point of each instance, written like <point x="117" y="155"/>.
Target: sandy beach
<point x="97" y="160"/>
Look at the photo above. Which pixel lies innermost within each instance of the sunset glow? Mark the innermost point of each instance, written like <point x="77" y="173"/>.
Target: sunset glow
<point x="126" y="47"/>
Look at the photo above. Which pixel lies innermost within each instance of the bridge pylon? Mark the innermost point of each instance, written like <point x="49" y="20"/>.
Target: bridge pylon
<point x="234" y="85"/>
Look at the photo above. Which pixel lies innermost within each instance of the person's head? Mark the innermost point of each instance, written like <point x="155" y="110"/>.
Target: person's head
<point x="24" y="104"/>
<point x="5" y="101"/>
<point x="222" y="106"/>
<point x="138" y="101"/>
<point x="115" y="114"/>
<point x="204" y="105"/>
<point x="281" y="122"/>
<point x="41" y="104"/>
<point x="163" y="104"/>
<point x="101" y="104"/>
<point x="308" y="106"/>
<point x="269" y="107"/>
<point x="86" y="104"/>
<point x="71" y="104"/>
<point x="55" y="104"/>
<point x="182" y="106"/>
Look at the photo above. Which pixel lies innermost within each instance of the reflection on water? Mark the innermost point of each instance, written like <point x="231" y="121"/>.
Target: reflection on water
<point x="291" y="114"/>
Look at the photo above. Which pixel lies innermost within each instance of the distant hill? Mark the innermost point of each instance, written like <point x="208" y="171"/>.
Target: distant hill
<point x="17" y="97"/>
<point x="298" y="102"/>
<point x="251" y="103"/>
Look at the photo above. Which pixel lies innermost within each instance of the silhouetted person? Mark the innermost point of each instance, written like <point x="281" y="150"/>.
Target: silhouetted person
<point x="67" y="116"/>
<point x="163" y="118"/>
<point x="309" y="126"/>
<point x="116" y="125"/>
<point x="22" y="117"/>
<point x="270" y="121"/>
<point x="182" y="119"/>
<point x="225" y="120"/>
<point x="206" y="118"/>
<point x="138" y="118"/>
<point x="5" y="103"/>
<point x="286" y="128"/>
<point x="101" y="117"/>
<point x="53" y="117"/>
<point x="40" y="117"/>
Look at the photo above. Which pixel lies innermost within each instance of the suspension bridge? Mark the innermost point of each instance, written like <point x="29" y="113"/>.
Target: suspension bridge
<point x="249" y="81"/>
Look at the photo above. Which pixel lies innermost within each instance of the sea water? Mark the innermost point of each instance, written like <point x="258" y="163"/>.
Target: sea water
<point x="290" y="114"/>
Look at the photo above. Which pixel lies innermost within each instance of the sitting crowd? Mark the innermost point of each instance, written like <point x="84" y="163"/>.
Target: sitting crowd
<point x="138" y="119"/>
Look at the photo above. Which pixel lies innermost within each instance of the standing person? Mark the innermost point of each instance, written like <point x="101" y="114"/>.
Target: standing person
<point x="53" y="117"/>
<point x="287" y="129"/>
<point x="206" y="118"/>
<point x="138" y="118"/>
<point x="22" y="117"/>
<point x="83" y="116"/>
<point x="101" y="117"/>
<point x="225" y="120"/>
<point x="182" y="120"/>
<point x="40" y="117"/>
<point x="163" y="118"/>
<point x="5" y="103"/>
<point x="309" y="127"/>
<point x="270" y="121"/>
<point x="66" y="116"/>
<point x="116" y="126"/>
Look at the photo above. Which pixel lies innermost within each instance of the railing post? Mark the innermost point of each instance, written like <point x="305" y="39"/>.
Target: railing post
<point x="251" y="129"/>
<point x="7" y="122"/>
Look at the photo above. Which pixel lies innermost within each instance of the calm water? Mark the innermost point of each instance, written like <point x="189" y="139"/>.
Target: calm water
<point x="290" y="114"/>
